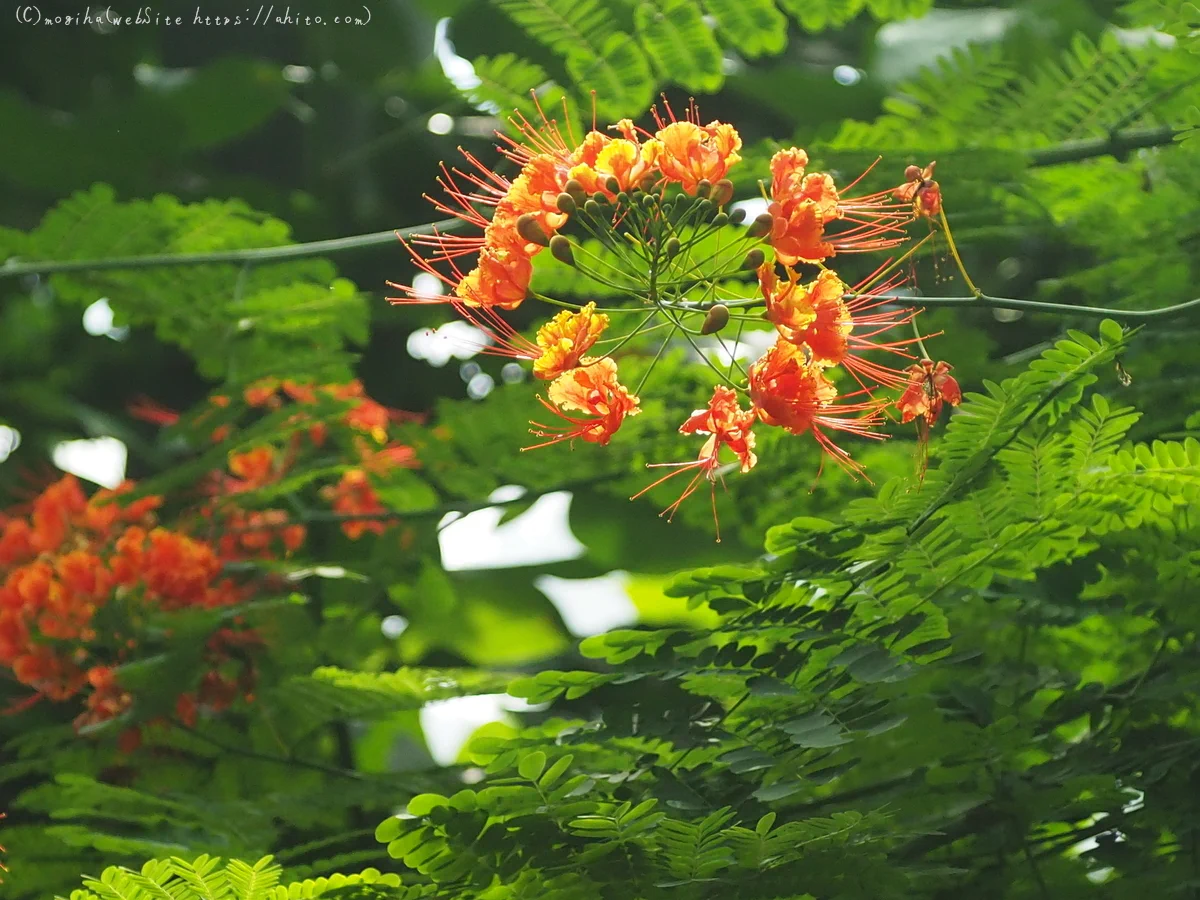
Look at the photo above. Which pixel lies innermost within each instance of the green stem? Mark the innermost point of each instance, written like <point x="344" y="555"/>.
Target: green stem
<point x="13" y="269"/>
<point x="657" y="356"/>
<point x="984" y="301"/>
<point x="1116" y="144"/>
<point x="1067" y="152"/>
<point x="954" y="252"/>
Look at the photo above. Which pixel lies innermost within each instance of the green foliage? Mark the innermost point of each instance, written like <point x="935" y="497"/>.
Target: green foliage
<point x="240" y="323"/>
<point x="206" y="879"/>
<point x="755" y="27"/>
<point x="975" y="679"/>
<point x="680" y="44"/>
<point x="819" y="15"/>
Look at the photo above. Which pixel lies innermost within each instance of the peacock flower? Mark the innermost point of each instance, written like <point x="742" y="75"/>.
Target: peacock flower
<point x="789" y="305"/>
<point x="727" y="425"/>
<point x="592" y="389"/>
<point x="262" y="393"/>
<point x="147" y="410"/>
<point x="354" y="496"/>
<point x="502" y="274"/>
<point x="254" y="469"/>
<point x="803" y="204"/>
<point x="921" y="191"/>
<point x="565" y="338"/>
<point x="627" y="160"/>
<point x="371" y="417"/>
<point x="688" y="153"/>
<point x="16" y="542"/>
<point x="534" y="192"/>
<point x="107" y="699"/>
<point x="590" y="147"/>
<point x="930" y="385"/>
<point x="500" y="280"/>
<point x="790" y="391"/>
<point x="833" y="329"/>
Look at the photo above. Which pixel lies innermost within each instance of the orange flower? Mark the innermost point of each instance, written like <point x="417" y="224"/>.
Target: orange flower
<point x="688" y="153"/>
<point x="501" y="279"/>
<point x="792" y="392"/>
<point x="42" y="670"/>
<point x="534" y="192"/>
<point x="255" y="468"/>
<point x="565" y="338"/>
<point x="300" y="392"/>
<point x="818" y="316"/>
<point x="47" y="605"/>
<point x="727" y="425"/>
<point x="175" y="570"/>
<point x="256" y="532"/>
<point x="791" y="185"/>
<point x="921" y="191"/>
<point x="371" y="417"/>
<point x="354" y="496"/>
<point x="502" y="274"/>
<point x="392" y="456"/>
<point x="929" y="386"/>
<point x="53" y="512"/>
<point x="145" y="409"/>
<point x="261" y="393"/>
<point x="85" y="574"/>
<point x="626" y="159"/>
<point x="803" y="205"/>
<point x="16" y="542"/>
<point x="107" y="700"/>
<point x="592" y="389"/>
<point x="103" y="511"/>
<point x="789" y="306"/>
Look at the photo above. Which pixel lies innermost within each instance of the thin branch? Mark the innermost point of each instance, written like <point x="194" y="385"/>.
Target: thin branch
<point x="266" y="757"/>
<point x="1117" y="145"/>
<point x="13" y="269"/>
<point x="986" y="301"/>
<point x="1070" y="151"/>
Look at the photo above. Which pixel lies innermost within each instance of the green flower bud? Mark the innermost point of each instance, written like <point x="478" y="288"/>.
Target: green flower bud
<point x="754" y="258"/>
<point x="560" y="249"/>
<point x="575" y="189"/>
<point x="761" y="226"/>
<point x="717" y="318"/>
<point x="530" y="230"/>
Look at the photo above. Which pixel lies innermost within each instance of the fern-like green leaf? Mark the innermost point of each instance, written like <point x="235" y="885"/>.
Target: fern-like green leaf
<point x="755" y="27"/>
<point x="619" y="74"/>
<point x="681" y="44"/>
<point x="505" y="83"/>
<point x="568" y="27"/>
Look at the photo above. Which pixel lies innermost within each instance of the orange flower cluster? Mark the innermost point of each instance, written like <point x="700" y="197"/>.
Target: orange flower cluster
<point x="72" y="557"/>
<point x="655" y="199"/>
<point x="242" y="533"/>
<point x="529" y="210"/>
<point x="556" y="178"/>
